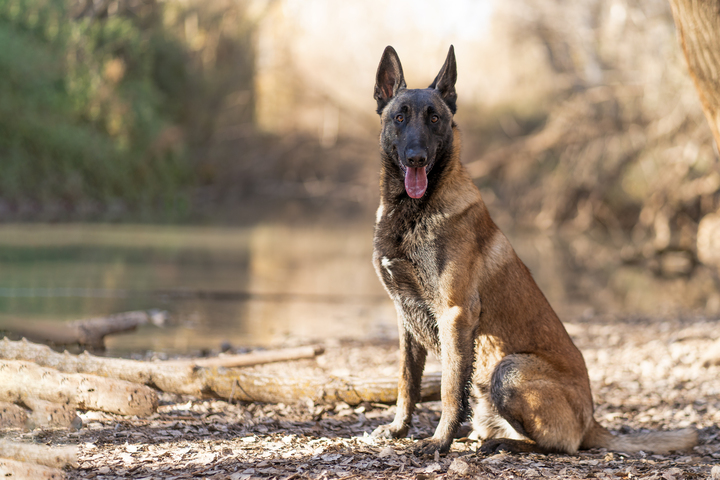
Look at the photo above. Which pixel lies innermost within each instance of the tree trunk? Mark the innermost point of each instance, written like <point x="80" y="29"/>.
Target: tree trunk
<point x="698" y="27"/>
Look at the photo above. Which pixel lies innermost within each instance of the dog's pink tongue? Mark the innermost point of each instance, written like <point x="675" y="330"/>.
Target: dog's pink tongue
<point x="415" y="181"/>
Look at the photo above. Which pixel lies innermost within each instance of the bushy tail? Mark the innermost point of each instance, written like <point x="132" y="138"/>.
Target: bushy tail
<point x="655" y="442"/>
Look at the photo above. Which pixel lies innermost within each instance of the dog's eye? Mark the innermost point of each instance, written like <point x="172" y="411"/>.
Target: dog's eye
<point x="399" y="118"/>
<point x="434" y="119"/>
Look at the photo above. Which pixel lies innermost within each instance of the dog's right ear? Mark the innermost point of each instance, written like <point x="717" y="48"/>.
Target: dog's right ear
<point x="389" y="78"/>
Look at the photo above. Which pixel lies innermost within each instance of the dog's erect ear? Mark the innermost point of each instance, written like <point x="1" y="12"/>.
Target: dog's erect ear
<point x="389" y="78"/>
<point x="444" y="83"/>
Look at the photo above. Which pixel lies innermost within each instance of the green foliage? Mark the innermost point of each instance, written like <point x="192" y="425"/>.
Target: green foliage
<point x="91" y="109"/>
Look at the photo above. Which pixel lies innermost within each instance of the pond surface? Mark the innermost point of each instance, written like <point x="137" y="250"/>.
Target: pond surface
<point x="246" y="286"/>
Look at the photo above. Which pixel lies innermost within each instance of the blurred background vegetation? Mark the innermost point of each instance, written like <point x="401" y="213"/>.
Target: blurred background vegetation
<point x="586" y="119"/>
<point x="104" y="104"/>
<point x="580" y="126"/>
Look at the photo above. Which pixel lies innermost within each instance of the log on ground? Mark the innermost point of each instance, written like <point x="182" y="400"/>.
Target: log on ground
<point x="28" y="471"/>
<point x="12" y="416"/>
<point x="45" y="414"/>
<point x="23" y="381"/>
<point x="255" y="387"/>
<point x="187" y="378"/>
<point x="88" y="332"/>
<point x="56" y="457"/>
<point x="712" y="354"/>
<point x="38" y="414"/>
<point x="252" y="358"/>
<point x="176" y="376"/>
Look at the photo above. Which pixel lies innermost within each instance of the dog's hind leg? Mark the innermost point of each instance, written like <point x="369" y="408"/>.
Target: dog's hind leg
<point x="487" y="422"/>
<point x="540" y="404"/>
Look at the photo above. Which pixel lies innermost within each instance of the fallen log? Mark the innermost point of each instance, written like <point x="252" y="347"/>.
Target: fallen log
<point x="40" y="414"/>
<point x="177" y="377"/>
<point x="28" y="471"/>
<point x="25" y="381"/>
<point x="12" y="416"/>
<point x="57" y="457"/>
<point x="185" y="377"/>
<point x="89" y="332"/>
<point x="188" y="378"/>
<point x="50" y="414"/>
<point x="255" y="387"/>
<point x="712" y="355"/>
<point x="251" y="359"/>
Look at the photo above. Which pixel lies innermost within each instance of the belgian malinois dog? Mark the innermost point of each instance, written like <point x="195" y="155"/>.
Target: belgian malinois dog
<point x="462" y="292"/>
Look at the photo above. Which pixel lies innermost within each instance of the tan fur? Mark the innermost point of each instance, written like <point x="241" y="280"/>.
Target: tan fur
<point x="554" y="396"/>
<point x="462" y="292"/>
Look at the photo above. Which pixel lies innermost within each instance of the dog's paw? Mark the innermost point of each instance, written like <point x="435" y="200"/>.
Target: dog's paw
<point x="496" y="445"/>
<point x="429" y="446"/>
<point x="390" y="431"/>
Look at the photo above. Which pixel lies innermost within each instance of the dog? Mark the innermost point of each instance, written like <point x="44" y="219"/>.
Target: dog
<point x="461" y="292"/>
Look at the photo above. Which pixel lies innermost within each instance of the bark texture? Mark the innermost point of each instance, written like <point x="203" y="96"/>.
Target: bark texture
<point x="28" y="471"/>
<point x="698" y="27"/>
<point x="12" y="416"/>
<point x="192" y="378"/>
<point x="25" y="382"/>
<point x="50" y="414"/>
<point x="56" y="457"/>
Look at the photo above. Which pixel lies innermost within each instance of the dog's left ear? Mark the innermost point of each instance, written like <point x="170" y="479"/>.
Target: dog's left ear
<point x="444" y="83"/>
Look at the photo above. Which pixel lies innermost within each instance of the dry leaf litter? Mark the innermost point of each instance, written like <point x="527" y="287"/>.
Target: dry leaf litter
<point x="645" y="373"/>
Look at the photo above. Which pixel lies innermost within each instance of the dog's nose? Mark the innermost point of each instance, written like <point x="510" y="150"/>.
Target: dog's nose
<point x="416" y="157"/>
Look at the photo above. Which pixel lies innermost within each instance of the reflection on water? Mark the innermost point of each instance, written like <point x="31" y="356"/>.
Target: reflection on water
<point x="246" y="286"/>
<point x="257" y="285"/>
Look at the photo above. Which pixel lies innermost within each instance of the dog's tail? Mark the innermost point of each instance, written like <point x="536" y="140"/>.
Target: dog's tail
<point x="655" y="442"/>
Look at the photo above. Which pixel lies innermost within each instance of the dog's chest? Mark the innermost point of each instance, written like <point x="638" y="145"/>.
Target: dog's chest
<point x="406" y="258"/>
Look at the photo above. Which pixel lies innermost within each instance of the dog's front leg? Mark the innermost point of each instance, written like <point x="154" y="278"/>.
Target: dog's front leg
<point x="457" y="340"/>
<point x="412" y="364"/>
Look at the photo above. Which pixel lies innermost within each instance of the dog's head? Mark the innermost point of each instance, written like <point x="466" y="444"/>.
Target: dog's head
<point x="416" y="123"/>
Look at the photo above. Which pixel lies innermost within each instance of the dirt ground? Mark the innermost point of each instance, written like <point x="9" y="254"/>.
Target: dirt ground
<point x="645" y="374"/>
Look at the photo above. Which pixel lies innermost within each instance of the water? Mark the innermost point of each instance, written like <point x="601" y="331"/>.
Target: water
<point x="261" y="285"/>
